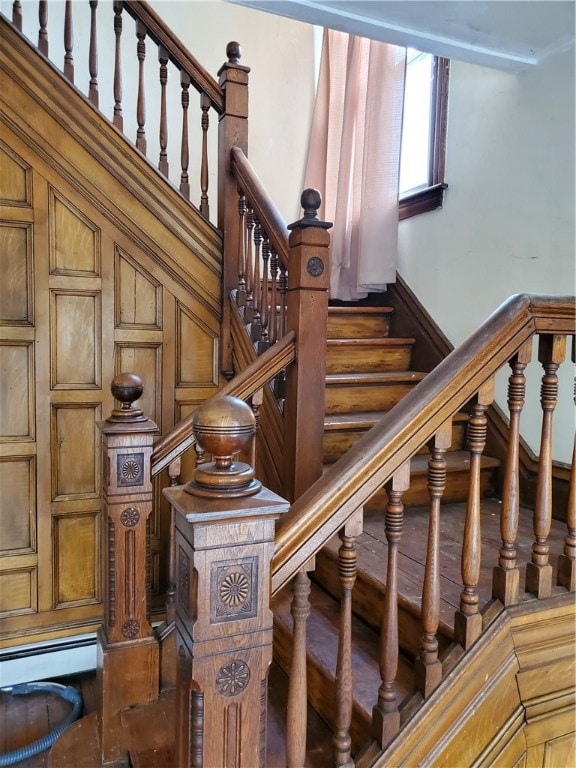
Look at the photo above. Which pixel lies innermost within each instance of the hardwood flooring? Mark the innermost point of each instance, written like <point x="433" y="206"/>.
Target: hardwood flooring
<point x="26" y="718"/>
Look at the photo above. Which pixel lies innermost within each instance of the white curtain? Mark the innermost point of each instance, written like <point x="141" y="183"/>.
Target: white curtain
<point x="354" y="159"/>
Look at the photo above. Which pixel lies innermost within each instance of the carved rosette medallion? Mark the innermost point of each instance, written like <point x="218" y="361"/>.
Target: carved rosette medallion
<point x="315" y="266"/>
<point x="233" y="590"/>
<point x="130" y="469"/>
<point x="130" y="628"/>
<point x="232" y="678"/>
<point x="130" y="517"/>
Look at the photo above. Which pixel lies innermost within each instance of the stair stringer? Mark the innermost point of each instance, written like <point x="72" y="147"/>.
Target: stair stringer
<point x="512" y="695"/>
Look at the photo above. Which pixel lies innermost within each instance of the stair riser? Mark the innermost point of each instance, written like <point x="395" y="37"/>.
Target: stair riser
<point x="357" y="327"/>
<point x="367" y="359"/>
<point x="337" y="442"/>
<point x="369" y="398"/>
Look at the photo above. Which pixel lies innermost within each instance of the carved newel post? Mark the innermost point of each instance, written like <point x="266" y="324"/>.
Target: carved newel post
<point x="224" y="545"/>
<point x="128" y="656"/>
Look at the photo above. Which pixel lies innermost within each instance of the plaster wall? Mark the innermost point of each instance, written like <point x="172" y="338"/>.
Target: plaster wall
<point x="507" y="225"/>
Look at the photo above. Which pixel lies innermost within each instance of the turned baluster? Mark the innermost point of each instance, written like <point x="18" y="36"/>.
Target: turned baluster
<point x="551" y="351"/>
<point x="17" y="14"/>
<point x="93" y="56"/>
<point x="256" y="403"/>
<point x="184" y="150"/>
<point x="68" y="42"/>
<point x="249" y="308"/>
<point x="347" y="572"/>
<point x="141" y="99"/>
<point x="256" y="326"/>
<point x="43" y="31"/>
<point x="428" y="667"/>
<point x="242" y="208"/>
<point x="567" y="560"/>
<point x="174" y="469"/>
<point x="117" y="119"/>
<point x="280" y="380"/>
<point x="163" y="134"/>
<point x="468" y="620"/>
<point x="273" y="333"/>
<point x="506" y="575"/>
<point x="204" y="206"/>
<point x="296" y="716"/>
<point x="386" y="715"/>
<point x="264" y="342"/>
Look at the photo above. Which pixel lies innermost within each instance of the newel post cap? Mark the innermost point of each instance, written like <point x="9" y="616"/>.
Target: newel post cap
<point x="127" y="388"/>
<point x="224" y="426"/>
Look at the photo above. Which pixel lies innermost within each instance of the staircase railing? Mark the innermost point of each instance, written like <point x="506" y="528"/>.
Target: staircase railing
<point x="190" y="151"/>
<point x="334" y="505"/>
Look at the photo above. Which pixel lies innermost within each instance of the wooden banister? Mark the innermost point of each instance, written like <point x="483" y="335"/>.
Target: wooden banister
<point x="325" y="508"/>
<point x="177" y="51"/>
<point x="265" y="211"/>
<point x="264" y="368"/>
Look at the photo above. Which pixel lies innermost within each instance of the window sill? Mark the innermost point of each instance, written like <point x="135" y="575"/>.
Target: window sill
<point x="424" y="200"/>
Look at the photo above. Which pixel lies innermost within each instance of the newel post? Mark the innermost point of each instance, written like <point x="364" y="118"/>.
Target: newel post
<point x="307" y="314"/>
<point x="127" y="651"/>
<point x="232" y="132"/>
<point x="224" y="545"/>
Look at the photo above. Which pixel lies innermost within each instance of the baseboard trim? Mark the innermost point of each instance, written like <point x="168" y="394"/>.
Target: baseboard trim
<point x="47" y="660"/>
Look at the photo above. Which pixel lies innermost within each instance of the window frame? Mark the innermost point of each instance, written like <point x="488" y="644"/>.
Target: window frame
<point x="432" y="196"/>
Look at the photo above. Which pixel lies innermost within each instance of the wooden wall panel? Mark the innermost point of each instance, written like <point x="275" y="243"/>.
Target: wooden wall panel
<point x="16" y="270"/>
<point x="197" y="352"/>
<point x="97" y="254"/>
<point x="15" y="178"/>
<point x="138" y="296"/>
<point x="76" y="451"/>
<point x="76" y="570"/>
<point x="74" y="240"/>
<point x="17" y="420"/>
<point x="18" y="593"/>
<point x="75" y="339"/>
<point x="17" y="505"/>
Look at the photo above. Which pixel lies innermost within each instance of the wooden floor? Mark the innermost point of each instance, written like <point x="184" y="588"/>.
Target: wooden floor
<point x="24" y="719"/>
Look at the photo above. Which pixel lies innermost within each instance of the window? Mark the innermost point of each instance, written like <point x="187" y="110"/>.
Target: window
<point x="423" y="134"/>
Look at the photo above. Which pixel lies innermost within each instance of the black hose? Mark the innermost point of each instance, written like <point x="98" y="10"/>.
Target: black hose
<point x="64" y="691"/>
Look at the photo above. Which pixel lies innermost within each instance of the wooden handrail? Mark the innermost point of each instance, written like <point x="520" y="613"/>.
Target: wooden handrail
<point x="264" y="368"/>
<point x="177" y="52"/>
<point x="324" y="509"/>
<point x="264" y="209"/>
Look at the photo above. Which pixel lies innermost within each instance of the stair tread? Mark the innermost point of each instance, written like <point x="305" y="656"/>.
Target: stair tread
<point x="385" y="377"/>
<point x="322" y="641"/>
<point x="380" y="341"/>
<point x="356" y="310"/>
<point x="456" y="461"/>
<point x="365" y="419"/>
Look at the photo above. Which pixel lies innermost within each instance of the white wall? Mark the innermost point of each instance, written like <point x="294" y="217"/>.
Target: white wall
<point x="507" y="225"/>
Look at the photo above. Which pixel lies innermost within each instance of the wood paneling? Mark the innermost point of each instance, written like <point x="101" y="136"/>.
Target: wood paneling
<point x="17" y="505"/>
<point x="102" y="266"/>
<point x="15" y="181"/>
<point x="16" y="400"/>
<point x="16" y="266"/>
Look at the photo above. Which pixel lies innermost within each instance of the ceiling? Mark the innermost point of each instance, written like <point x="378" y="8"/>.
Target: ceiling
<point x="512" y="35"/>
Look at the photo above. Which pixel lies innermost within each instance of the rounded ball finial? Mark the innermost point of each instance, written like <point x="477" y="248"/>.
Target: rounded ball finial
<point x="127" y="388"/>
<point x="224" y="426"/>
<point x="233" y="52"/>
<point x="311" y="200"/>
